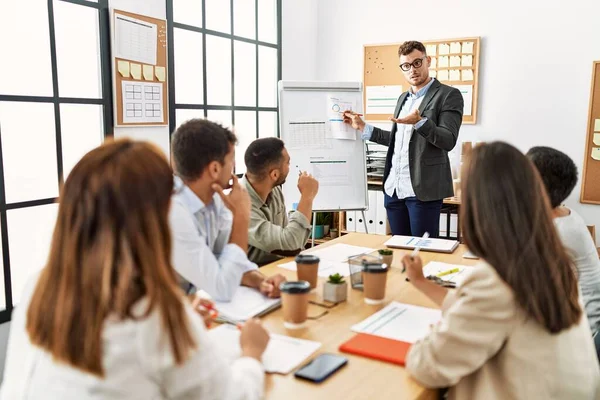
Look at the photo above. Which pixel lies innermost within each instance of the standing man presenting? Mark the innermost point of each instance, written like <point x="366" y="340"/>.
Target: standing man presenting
<point x="417" y="174"/>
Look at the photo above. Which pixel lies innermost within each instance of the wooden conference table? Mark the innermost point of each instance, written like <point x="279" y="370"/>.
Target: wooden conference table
<point x="361" y="378"/>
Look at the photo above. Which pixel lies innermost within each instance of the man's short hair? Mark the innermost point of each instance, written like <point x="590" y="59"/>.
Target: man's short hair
<point x="263" y="154"/>
<point x="558" y="171"/>
<point x="408" y="47"/>
<point x="197" y="143"/>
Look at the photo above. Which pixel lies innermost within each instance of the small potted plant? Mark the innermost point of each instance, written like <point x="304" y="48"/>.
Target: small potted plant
<point x="387" y="256"/>
<point x="335" y="290"/>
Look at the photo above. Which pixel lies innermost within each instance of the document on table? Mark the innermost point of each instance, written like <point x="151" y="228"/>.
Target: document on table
<point x="283" y="353"/>
<point x="326" y="268"/>
<point x="339" y="252"/>
<point x="245" y="304"/>
<point x="399" y="321"/>
<point x="436" y="267"/>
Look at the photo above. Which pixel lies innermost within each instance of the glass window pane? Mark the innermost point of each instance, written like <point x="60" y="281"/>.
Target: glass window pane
<point x="29" y="151"/>
<point x="245" y="130"/>
<point x="188" y="12"/>
<point x="267" y="21"/>
<point x="218" y="15"/>
<point x="81" y="129"/>
<point x="77" y="50"/>
<point x="218" y="70"/>
<point x="182" y="115"/>
<point x="223" y="117"/>
<point x="29" y="235"/>
<point x="244" y="18"/>
<point x="267" y="77"/>
<point x="245" y="74"/>
<point x="188" y="67"/>
<point x="25" y="47"/>
<point x="267" y="124"/>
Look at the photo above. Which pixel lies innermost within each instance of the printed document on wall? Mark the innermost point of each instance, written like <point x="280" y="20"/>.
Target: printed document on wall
<point x="467" y="94"/>
<point x="142" y="102"/>
<point x="335" y="109"/>
<point x="308" y="135"/>
<point x="135" y="39"/>
<point x="382" y="99"/>
<point x="331" y="171"/>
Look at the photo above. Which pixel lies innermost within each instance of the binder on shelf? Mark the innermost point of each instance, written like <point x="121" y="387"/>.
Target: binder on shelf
<point x="371" y="213"/>
<point x="360" y="222"/>
<point x="351" y="221"/>
<point x="381" y="228"/>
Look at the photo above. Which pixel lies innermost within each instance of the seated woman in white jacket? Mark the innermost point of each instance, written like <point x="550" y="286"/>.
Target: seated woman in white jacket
<point x="515" y="328"/>
<point x="105" y="318"/>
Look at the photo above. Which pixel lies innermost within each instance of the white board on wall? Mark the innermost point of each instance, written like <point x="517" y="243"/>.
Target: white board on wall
<point x="319" y="143"/>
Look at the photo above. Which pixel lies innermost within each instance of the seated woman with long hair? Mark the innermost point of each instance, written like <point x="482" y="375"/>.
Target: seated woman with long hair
<point x="515" y="328"/>
<point x="105" y="318"/>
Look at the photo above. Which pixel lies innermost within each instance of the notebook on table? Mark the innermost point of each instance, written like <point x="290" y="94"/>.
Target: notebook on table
<point x="246" y="303"/>
<point x="412" y="242"/>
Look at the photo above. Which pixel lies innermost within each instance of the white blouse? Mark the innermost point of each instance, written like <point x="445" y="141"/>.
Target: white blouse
<point x="138" y="364"/>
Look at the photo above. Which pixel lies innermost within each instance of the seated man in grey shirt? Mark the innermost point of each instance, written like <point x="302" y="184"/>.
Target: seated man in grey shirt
<point x="209" y="228"/>
<point x="272" y="234"/>
<point x="559" y="174"/>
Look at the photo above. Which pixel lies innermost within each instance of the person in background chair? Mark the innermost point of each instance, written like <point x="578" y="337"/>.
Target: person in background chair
<point x="559" y="174"/>
<point x="515" y="327"/>
<point x="106" y="318"/>
<point x="272" y="235"/>
<point x="210" y="228"/>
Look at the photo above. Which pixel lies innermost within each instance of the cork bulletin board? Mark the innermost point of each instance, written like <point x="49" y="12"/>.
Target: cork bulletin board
<point x="590" y="181"/>
<point x="140" y="69"/>
<point x="454" y="62"/>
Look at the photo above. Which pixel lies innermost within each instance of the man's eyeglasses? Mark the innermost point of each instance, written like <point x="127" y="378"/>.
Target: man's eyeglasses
<point x="415" y="64"/>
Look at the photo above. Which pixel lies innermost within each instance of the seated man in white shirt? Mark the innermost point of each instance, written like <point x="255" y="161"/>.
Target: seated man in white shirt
<point x="210" y="228"/>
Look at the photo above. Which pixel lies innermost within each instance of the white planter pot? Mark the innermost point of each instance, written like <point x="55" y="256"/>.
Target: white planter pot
<point x="335" y="293"/>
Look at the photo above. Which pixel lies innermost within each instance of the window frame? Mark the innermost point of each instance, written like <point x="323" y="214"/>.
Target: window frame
<point x="105" y="101"/>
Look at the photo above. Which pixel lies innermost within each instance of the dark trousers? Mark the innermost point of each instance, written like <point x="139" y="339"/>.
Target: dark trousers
<point x="412" y="217"/>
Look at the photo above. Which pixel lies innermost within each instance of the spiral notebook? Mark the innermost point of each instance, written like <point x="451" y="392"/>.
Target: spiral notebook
<point x="411" y="242"/>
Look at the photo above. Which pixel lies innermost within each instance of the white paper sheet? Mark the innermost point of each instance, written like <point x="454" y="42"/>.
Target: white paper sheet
<point x="382" y="99"/>
<point x="431" y="49"/>
<point x="597" y="125"/>
<point x="442" y="75"/>
<point x="335" y="107"/>
<point x="308" y="135"/>
<point x="467" y="60"/>
<point x="596" y="153"/>
<point x="282" y="355"/>
<point x="135" y="39"/>
<point x="455" y="61"/>
<point x="444" y="49"/>
<point x="436" y="267"/>
<point x="398" y="321"/>
<point x="246" y="303"/>
<point x="467" y="94"/>
<point x="455" y="47"/>
<point x="331" y="171"/>
<point x="443" y="62"/>
<point x="467" y="75"/>
<point x="596" y="139"/>
<point x="339" y="252"/>
<point x="142" y="102"/>
<point x="326" y="268"/>
<point x="455" y="75"/>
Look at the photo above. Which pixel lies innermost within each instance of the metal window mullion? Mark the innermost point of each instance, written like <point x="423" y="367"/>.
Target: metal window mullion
<point x="59" y="166"/>
<point x="171" y="66"/>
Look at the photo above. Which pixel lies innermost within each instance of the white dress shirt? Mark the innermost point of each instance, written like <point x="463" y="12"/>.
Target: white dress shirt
<point x="137" y="362"/>
<point x="202" y="254"/>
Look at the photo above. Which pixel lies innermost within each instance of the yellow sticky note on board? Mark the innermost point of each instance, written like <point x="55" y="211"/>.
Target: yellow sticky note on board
<point x="442" y="75"/>
<point x="136" y="71"/>
<point x="597" y="139"/>
<point x="596" y="153"/>
<point x="123" y="67"/>
<point x="597" y="125"/>
<point x="148" y="72"/>
<point x="160" y="73"/>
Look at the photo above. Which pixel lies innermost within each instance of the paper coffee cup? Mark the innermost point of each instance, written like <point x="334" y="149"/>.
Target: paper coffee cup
<point x="374" y="282"/>
<point x="294" y="301"/>
<point x="307" y="268"/>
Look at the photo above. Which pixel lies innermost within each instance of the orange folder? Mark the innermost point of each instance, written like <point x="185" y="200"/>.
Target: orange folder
<point x="380" y="348"/>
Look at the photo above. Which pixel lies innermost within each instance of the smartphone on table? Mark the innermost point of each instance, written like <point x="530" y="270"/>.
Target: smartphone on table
<point x="321" y="367"/>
